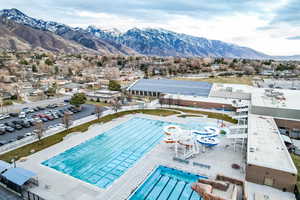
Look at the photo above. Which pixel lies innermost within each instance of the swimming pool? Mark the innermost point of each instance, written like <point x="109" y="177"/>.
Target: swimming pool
<point x="104" y="158"/>
<point x="167" y="183"/>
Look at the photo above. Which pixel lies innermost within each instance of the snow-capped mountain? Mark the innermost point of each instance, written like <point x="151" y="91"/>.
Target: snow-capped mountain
<point x="160" y="42"/>
<point x="77" y="35"/>
<point x="149" y="41"/>
<point x="19" y="17"/>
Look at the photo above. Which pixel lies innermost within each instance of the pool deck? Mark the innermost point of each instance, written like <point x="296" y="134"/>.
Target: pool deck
<point x="65" y="187"/>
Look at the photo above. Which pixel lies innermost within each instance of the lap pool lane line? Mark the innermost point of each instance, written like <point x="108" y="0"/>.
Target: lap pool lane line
<point x="164" y="186"/>
<point x="94" y="176"/>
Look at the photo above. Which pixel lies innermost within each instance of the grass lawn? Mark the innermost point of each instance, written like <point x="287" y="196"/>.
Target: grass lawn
<point x="246" y="80"/>
<point x="209" y="115"/>
<point x="296" y="160"/>
<point x="54" y="139"/>
<point x="184" y="116"/>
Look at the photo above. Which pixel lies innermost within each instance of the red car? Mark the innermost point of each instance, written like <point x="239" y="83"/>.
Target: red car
<point x="42" y="115"/>
<point x="49" y="117"/>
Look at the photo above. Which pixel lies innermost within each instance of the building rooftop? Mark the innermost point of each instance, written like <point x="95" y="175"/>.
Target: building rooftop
<point x="203" y="99"/>
<point x="232" y="91"/>
<point x="276" y="103"/>
<point x="264" y="140"/>
<point x="257" y="191"/>
<point x="193" y="88"/>
<point x="287" y="99"/>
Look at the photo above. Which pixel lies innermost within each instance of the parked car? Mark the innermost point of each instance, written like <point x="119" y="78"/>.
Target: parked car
<point x="13" y="114"/>
<point x="25" y="124"/>
<point x="2" y="130"/>
<point x="28" y="134"/>
<point x="9" y="129"/>
<point x="41" y="108"/>
<point x="31" y="110"/>
<point x="55" y="116"/>
<point x="67" y="100"/>
<point x="22" y="115"/>
<point x="18" y="127"/>
<point x="10" y="124"/>
<point x="49" y="117"/>
<point x="4" y="116"/>
<point x="52" y="106"/>
<point x="41" y="115"/>
<point x="26" y="110"/>
<point x="44" y="119"/>
<point x="30" y="121"/>
<point x="59" y="114"/>
<point x="19" y="137"/>
<point x="36" y="109"/>
<point x="3" y="143"/>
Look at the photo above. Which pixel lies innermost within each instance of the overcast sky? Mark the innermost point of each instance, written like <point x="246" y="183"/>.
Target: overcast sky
<point x="269" y="26"/>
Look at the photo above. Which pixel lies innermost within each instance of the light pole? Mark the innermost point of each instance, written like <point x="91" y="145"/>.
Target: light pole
<point x="14" y="161"/>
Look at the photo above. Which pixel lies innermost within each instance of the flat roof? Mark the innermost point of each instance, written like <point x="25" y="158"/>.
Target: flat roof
<point x="264" y="140"/>
<point x="4" y="166"/>
<point x="18" y="175"/>
<point x="255" y="191"/>
<point x="259" y="98"/>
<point x="194" y="88"/>
<point x="233" y="91"/>
<point x="200" y="99"/>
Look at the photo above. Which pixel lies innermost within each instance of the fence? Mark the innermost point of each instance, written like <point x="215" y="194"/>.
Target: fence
<point x="296" y="192"/>
<point x="26" y="195"/>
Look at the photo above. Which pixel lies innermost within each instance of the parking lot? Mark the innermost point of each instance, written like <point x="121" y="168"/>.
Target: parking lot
<point x="7" y="137"/>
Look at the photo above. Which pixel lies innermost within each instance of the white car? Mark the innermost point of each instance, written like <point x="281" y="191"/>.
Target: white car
<point x="22" y="115"/>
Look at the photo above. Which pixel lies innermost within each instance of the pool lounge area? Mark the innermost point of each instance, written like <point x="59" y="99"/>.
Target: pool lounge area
<point x="71" y="161"/>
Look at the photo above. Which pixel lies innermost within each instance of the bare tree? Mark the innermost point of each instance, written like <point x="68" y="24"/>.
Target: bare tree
<point x="39" y="129"/>
<point x="98" y="111"/>
<point x="67" y="120"/>
<point x="116" y="105"/>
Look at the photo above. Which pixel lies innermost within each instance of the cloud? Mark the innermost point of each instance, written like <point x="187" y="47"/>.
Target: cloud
<point x="289" y="14"/>
<point x="264" y="25"/>
<point x="293" y="38"/>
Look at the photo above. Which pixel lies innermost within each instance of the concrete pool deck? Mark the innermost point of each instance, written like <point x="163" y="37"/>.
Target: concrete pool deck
<point x="54" y="185"/>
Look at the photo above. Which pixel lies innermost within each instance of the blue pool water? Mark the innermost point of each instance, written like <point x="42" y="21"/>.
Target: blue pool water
<point x="104" y="158"/>
<point x="167" y="183"/>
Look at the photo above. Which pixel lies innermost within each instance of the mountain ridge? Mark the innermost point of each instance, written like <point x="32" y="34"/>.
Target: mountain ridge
<point x="147" y="41"/>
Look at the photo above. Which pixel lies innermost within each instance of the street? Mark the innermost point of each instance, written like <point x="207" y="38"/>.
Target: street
<point x="18" y="107"/>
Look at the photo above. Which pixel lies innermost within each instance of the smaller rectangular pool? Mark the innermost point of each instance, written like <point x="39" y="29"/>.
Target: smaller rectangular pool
<point x="167" y="183"/>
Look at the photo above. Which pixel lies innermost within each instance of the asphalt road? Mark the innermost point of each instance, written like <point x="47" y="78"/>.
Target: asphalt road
<point x="87" y="109"/>
<point x="8" y="195"/>
<point x="43" y="103"/>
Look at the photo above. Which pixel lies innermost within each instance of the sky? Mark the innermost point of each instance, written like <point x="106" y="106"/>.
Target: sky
<point x="268" y="26"/>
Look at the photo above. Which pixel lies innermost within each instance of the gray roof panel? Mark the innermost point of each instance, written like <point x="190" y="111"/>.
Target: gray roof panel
<point x="193" y="88"/>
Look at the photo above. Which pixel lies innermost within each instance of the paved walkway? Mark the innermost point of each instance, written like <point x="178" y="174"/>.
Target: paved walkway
<point x="220" y="158"/>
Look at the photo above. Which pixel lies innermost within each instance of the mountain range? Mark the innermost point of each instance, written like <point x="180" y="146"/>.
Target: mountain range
<point x="19" y="31"/>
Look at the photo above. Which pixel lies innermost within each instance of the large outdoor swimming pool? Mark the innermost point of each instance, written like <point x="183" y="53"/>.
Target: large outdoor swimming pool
<point x="167" y="183"/>
<point x="104" y="158"/>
